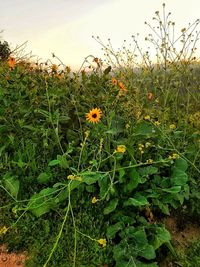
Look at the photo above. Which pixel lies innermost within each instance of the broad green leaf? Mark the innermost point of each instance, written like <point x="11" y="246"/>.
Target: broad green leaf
<point x="90" y="177"/>
<point x="133" y="181"/>
<point x="63" y="161"/>
<point x="42" y="202"/>
<point x="149" y="170"/>
<point x="181" y="164"/>
<point x="172" y="190"/>
<point x="11" y="183"/>
<point x="111" y="206"/>
<point x="161" y="236"/>
<point x="44" y="177"/>
<point x="136" y="201"/>
<point x="113" y="229"/>
<point x="148" y="252"/>
<point x="178" y="177"/>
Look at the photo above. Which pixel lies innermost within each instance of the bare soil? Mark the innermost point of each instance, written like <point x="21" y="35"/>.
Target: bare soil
<point x="11" y="259"/>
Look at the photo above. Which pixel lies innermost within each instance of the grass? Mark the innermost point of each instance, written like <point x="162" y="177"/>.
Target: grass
<point x="90" y="161"/>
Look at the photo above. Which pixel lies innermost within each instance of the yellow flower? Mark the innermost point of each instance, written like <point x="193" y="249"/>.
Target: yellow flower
<point x="3" y="230"/>
<point x="74" y="177"/>
<point x="94" y="200"/>
<point x="94" y="115"/>
<point x="157" y="123"/>
<point x="147" y="144"/>
<point x="102" y="242"/>
<point x="172" y="126"/>
<point x="149" y="161"/>
<point x="174" y="156"/>
<point x="120" y="149"/>
<point x="147" y="117"/>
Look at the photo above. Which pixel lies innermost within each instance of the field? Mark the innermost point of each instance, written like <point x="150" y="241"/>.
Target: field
<point x="100" y="167"/>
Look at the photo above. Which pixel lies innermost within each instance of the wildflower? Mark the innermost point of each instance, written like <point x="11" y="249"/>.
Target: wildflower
<point x="147" y="144"/>
<point x="149" y="161"/>
<point x="102" y="242"/>
<point x="11" y="62"/>
<point x="141" y="148"/>
<point x="74" y="177"/>
<point x="149" y="96"/>
<point x="122" y="87"/>
<point x="120" y="149"/>
<point x="94" y="200"/>
<point x="114" y="81"/>
<point x="147" y="117"/>
<point x="174" y="156"/>
<point x="94" y="115"/>
<point x="3" y="230"/>
<point x="96" y="60"/>
<point x="172" y="126"/>
<point x="54" y="68"/>
<point x="157" y="123"/>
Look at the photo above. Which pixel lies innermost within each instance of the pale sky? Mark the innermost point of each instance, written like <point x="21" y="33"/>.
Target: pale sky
<point x="65" y="27"/>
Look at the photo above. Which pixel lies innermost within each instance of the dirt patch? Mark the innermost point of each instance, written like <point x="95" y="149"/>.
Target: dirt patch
<point x="183" y="232"/>
<point x="11" y="259"/>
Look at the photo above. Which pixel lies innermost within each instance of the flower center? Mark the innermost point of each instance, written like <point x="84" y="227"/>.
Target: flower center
<point x="94" y="116"/>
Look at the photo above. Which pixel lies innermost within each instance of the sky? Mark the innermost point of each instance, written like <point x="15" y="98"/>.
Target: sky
<point x="66" y="27"/>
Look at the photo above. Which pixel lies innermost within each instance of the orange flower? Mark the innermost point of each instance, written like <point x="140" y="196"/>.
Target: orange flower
<point x="122" y="87"/>
<point x="94" y="115"/>
<point x="11" y="62"/>
<point x="149" y="96"/>
<point x="114" y="81"/>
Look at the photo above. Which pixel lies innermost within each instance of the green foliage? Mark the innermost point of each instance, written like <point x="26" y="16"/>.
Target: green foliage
<point x="83" y="182"/>
<point x="4" y="50"/>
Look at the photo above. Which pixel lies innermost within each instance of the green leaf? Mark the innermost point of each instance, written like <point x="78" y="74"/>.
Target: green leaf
<point x="149" y="170"/>
<point x="111" y="206"/>
<point x="113" y="229"/>
<point x="90" y="177"/>
<point x="148" y="252"/>
<point x="144" y="128"/>
<point x="133" y="182"/>
<point x="181" y="164"/>
<point x="11" y="183"/>
<point x="104" y="184"/>
<point x="107" y="70"/>
<point x="43" y="177"/>
<point x="178" y="177"/>
<point x="63" y="161"/>
<point x="172" y="190"/>
<point x="53" y="162"/>
<point x="137" y="201"/>
<point x="160" y="237"/>
<point x="42" y="202"/>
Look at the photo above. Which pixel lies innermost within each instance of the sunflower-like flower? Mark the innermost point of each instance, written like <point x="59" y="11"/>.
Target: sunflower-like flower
<point x="94" y="115"/>
<point x="11" y="62"/>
